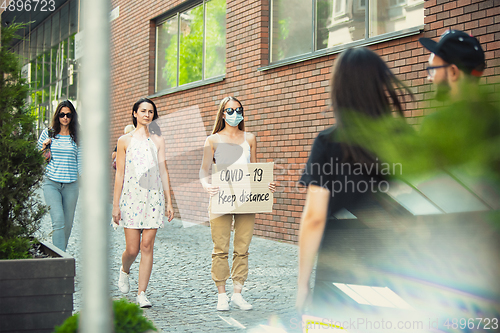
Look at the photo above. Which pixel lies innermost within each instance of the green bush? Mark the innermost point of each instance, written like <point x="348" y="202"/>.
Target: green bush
<point x="70" y="325"/>
<point x="15" y="248"/>
<point x="21" y="164"/>
<point x="128" y="319"/>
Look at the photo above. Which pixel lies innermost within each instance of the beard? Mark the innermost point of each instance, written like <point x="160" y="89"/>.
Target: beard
<point x="443" y="91"/>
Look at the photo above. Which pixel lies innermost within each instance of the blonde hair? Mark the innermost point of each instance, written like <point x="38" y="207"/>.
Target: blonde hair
<point x="128" y="129"/>
<point x="219" y="120"/>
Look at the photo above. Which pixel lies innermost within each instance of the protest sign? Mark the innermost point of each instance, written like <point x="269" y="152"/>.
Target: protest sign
<point x="243" y="188"/>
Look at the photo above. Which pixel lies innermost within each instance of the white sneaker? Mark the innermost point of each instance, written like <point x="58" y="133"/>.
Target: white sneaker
<point x="143" y="301"/>
<point x="238" y="300"/>
<point x="223" y="303"/>
<point x="123" y="284"/>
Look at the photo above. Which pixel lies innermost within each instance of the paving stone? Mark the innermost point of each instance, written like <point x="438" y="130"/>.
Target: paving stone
<point x="183" y="294"/>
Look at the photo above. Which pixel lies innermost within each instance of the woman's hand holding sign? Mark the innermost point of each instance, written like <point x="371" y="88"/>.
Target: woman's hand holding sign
<point x="212" y="190"/>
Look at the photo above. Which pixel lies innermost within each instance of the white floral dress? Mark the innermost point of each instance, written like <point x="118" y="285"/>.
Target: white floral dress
<point x="142" y="203"/>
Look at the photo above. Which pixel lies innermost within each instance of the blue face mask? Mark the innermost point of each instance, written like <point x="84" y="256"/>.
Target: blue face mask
<point x="234" y="119"/>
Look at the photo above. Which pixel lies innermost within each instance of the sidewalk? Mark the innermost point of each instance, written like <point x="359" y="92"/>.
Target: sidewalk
<point x="183" y="294"/>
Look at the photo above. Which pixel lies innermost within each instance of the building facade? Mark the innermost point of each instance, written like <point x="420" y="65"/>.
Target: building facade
<point x="47" y="51"/>
<point x="275" y="56"/>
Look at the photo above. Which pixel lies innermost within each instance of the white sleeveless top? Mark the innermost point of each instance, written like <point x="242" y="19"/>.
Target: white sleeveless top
<point x="142" y="203"/>
<point x="231" y="153"/>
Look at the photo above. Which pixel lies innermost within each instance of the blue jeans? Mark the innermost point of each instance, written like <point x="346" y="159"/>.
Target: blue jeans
<point x="61" y="198"/>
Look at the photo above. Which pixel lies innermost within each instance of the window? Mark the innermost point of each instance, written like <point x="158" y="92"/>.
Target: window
<point x="191" y="45"/>
<point x="48" y="54"/>
<point x="301" y="27"/>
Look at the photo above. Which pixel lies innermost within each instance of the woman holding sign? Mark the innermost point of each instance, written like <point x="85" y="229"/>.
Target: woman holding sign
<point x="229" y="144"/>
<point x="141" y="186"/>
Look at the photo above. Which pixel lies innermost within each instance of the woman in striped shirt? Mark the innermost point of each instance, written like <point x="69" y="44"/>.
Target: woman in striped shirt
<point x="60" y="185"/>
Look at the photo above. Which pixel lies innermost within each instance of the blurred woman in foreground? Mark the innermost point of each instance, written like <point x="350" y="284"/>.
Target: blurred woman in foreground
<point x="362" y="86"/>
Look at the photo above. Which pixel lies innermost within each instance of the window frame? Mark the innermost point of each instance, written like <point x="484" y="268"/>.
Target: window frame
<point x="37" y="50"/>
<point x="158" y="21"/>
<point x="342" y="7"/>
<point x="339" y="48"/>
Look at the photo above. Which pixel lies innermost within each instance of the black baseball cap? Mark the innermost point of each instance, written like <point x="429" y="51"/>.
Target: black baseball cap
<point x="458" y="48"/>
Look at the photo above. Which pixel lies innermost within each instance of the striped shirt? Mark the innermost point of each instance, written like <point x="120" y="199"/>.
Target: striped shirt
<point x="65" y="164"/>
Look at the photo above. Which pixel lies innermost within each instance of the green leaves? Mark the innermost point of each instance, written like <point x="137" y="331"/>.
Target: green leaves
<point x="21" y="164"/>
<point x="465" y="132"/>
<point x="128" y="318"/>
<point x="70" y="325"/>
<point x="14" y="248"/>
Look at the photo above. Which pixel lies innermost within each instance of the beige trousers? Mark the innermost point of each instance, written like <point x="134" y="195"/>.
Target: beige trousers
<point x="220" y="225"/>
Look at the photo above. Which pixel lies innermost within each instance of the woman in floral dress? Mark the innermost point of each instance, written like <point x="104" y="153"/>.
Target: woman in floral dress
<point x="141" y="186"/>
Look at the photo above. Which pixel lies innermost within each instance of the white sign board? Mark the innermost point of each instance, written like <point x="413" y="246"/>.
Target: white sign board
<point x="243" y="188"/>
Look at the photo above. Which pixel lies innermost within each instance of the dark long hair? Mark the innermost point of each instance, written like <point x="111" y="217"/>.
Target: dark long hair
<point x="362" y="83"/>
<point x="73" y="124"/>
<point x="136" y="107"/>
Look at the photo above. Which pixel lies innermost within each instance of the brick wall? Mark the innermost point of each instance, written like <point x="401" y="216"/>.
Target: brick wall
<point x="478" y="18"/>
<point x="285" y="107"/>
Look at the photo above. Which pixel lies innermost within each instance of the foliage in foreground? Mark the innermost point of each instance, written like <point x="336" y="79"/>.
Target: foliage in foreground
<point x="129" y="318"/>
<point x="21" y="164"/>
<point x="461" y="139"/>
<point x="14" y="248"/>
<point x="464" y="132"/>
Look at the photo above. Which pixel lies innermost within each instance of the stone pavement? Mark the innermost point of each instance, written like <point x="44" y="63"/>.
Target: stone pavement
<point x="183" y="294"/>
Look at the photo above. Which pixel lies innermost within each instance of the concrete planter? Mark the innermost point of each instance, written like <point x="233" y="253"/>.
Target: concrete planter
<point x="36" y="294"/>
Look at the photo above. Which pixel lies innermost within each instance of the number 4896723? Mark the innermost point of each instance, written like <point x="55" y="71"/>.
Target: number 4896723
<point x="28" y="5"/>
<point x="472" y="323"/>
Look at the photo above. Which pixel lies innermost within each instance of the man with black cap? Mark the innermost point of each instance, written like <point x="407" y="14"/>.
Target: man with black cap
<point x="456" y="58"/>
<point x="467" y="126"/>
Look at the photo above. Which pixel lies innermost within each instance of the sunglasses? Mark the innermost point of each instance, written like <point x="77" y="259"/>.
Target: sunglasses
<point x="62" y="115"/>
<point x="431" y="70"/>
<point x="230" y="111"/>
